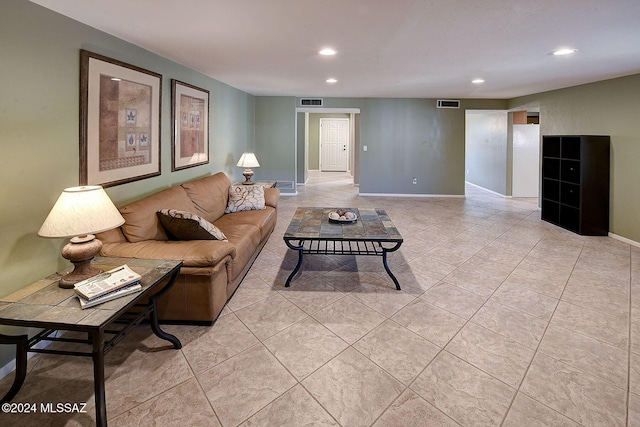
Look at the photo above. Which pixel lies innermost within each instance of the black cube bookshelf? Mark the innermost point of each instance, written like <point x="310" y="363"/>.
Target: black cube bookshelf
<point x="575" y="182"/>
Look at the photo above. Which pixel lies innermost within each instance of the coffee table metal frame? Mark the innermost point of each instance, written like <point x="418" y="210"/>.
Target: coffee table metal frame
<point x="323" y="240"/>
<point x="102" y="335"/>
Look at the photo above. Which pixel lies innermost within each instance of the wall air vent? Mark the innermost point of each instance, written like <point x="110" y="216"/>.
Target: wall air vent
<point x="448" y="103"/>
<point x="311" y="102"/>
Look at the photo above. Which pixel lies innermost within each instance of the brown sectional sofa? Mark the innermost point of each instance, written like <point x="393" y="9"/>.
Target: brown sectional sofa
<point x="212" y="269"/>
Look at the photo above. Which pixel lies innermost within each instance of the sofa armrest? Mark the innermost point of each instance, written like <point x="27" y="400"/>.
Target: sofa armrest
<point x="193" y="253"/>
<point x="271" y="196"/>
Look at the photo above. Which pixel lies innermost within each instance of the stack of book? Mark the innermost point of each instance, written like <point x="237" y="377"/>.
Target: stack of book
<point x="107" y="286"/>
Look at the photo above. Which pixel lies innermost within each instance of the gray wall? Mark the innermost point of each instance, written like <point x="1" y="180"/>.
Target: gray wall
<point x="409" y="138"/>
<point x="39" y="131"/>
<point x="486" y="149"/>
<point x="302" y="173"/>
<point x="610" y="108"/>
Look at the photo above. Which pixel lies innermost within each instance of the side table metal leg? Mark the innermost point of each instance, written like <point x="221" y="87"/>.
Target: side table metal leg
<point x="20" y="342"/>
<point x="295" y="270"/>
<point x="386" y="267"/>
<point x="155" y="325"/>
<point x="98" y="378"/>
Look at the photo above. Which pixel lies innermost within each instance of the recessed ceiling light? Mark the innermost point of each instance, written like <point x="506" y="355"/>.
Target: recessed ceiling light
<point x="566" y="51"/>
<point x="115" y="79"/>
<point x="477" y="81"/>
<point x="331" y="81"/>
<point x="327" y="52"/>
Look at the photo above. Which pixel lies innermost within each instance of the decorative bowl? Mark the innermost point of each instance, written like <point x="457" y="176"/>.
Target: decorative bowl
<point x="342" y="215"/>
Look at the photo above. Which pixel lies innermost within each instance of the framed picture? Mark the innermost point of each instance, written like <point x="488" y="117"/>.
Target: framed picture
<point x="190" y="125"/>
<point x="119" y="121"/>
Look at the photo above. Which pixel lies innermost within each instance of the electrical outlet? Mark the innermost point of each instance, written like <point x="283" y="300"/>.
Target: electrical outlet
<point x="364" y="148"/>
<point x="415" y="180"/>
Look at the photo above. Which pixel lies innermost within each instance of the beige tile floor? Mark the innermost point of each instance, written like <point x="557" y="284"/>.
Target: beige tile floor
<point x="502" y="320"/>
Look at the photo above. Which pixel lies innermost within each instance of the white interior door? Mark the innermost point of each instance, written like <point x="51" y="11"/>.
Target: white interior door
<point x="334" y="145"/>
<point x="526" y="160"/>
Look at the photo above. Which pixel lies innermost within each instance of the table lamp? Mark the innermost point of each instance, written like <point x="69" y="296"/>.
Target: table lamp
<point x="79" y="213"/>
<point x="248" y="161"/>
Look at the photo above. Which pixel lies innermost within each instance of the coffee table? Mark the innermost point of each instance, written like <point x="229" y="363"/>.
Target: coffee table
<point x="45" y="305"/>
<point x="311" y="232"/>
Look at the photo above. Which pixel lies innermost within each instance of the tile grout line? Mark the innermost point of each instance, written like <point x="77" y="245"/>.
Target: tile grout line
<point x="443" y="348"/>
<point x="388" y="318"/>
<point x="538" y="347"/>
<point x="629" y="320"/>
<point x="476" y="311"/>
<point x="471" y="317"/>
<point x="548" y="323"/>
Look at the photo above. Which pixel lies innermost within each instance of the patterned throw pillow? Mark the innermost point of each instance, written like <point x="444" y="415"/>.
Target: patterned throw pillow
<point x="187" y="226"/>
<point x="245" y="198"/>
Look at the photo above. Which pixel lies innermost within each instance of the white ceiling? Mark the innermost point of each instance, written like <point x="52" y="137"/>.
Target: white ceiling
<point x="386" y="48"/>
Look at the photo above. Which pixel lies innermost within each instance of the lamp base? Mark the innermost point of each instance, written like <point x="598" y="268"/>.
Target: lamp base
<point x="248" y="173"/>
<point x="80" y="251"/>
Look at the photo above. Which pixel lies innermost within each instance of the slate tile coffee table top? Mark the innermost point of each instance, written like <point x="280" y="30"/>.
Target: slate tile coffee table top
<point x="314" y="223"/>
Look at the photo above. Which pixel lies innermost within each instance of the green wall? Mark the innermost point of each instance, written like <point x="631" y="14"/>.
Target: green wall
<point x="608" y="107"/>
<point x="275" y="130"/>
<point x="39" y="130"/>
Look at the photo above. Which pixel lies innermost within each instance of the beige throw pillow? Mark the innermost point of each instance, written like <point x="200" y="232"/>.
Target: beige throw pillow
<point x="245" y="198"/>
<point x="187" y="226"/>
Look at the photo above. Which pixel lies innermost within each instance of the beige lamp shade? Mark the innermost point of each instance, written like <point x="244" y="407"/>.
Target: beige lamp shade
<point x="248" y="160"/>
<point x="80" y="211"/>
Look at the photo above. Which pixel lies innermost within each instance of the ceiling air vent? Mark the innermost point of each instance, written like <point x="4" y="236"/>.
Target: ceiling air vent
<point x="448" y="103"/>
<point x="311" y="102"/>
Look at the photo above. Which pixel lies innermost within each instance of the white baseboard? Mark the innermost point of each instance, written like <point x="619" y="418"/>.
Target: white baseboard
<point x="625" y="240"/>
<point x="462" y="196"/>
<point x="11" y="366"/>
<point x="486" y="189"/>
<point x="8" y="368"/>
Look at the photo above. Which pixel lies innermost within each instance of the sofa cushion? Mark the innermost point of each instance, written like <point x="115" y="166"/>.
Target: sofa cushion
<point x="142" y="223"/>
<point x="265" y="220"/>
<point x="245" y="198"/>
<point x="209" y="195"/>
<point x="194" y="253"/>
<point x="182" y="225"/>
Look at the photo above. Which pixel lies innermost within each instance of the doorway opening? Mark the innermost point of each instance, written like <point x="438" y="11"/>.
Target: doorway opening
<point x="502" y="152"/>
<point x="340" y="151"/>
